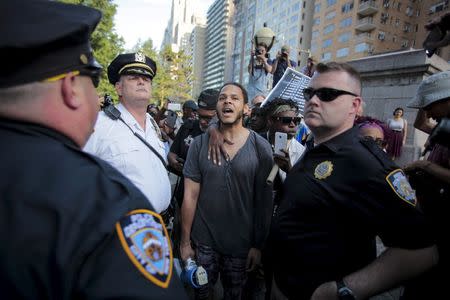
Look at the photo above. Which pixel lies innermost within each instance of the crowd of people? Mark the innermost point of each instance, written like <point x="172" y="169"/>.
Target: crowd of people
<point x="275" y="203"/>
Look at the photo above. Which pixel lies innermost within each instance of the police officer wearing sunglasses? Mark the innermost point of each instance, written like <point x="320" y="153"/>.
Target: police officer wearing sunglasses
<point x="341" y="194"/>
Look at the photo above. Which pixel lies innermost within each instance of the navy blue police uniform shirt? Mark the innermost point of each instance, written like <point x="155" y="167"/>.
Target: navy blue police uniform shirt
<point x="336" y="199"/>
<point x="72" y="227"/>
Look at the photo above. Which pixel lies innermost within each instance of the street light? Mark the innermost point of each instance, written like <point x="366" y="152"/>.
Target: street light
<point x="265" y="35"/>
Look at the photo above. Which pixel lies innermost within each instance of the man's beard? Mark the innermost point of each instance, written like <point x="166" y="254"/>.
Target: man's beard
<point x="238" y="119"/>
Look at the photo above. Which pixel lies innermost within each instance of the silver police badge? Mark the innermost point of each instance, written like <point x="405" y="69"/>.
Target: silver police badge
<point x="145" y="240"/>
<point x="323" y="170"/>
<point x="398" y="182"/>
<point x="140" y="57"/>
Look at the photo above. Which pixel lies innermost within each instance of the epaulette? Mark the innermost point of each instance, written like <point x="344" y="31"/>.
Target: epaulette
<point x="377" y="152"/>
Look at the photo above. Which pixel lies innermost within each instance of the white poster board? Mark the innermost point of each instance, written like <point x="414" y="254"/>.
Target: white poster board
<point x="290" y="86"/>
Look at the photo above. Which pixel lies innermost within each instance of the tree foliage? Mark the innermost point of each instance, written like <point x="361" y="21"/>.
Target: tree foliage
<point x="172" y="79"/>
<point x="106" y="43"/>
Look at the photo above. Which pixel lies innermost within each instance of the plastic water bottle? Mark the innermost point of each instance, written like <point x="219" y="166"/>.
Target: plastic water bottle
<point x="194" y="275"/>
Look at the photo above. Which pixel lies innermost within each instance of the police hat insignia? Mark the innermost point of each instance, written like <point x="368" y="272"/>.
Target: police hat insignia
<point x="139" y="57"/>
<point x="323" y="170"/>
<point x="145" y="240"/>
<point x="398" y="182"/>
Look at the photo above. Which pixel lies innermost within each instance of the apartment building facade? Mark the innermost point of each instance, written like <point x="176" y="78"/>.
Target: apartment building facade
<point x="219" y="44"/>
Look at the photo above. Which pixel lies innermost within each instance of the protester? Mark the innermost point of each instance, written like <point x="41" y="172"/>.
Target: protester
<point x="337" y="198"/>
<point x="227" y="209"/>
<point x="281" y="63"/>
<point x="259" y="68"/>
<point x="374" y="129"/>
<point x="308" y="70"/>
<point x="115" y="141"/>
<point x="431" y="180"/>
<point x="189" y="110"/>
<point x="68" y="220"/>
<point x="399" y="127"/>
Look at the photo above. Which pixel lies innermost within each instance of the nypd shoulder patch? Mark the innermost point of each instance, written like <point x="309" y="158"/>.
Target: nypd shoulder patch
<point x="400" y="184"/>
<point x="145" y="240"/>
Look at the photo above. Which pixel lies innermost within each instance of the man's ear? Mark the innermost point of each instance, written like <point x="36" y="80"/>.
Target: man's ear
<point x="356" y="103"/>
<point x="118" y="87"/>
<point x="69" y="91"/>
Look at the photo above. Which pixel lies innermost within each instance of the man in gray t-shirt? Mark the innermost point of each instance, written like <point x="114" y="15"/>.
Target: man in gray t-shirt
<point x="227" y="208"/>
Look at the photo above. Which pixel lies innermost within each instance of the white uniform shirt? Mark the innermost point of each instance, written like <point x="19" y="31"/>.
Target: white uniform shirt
<point x="115" y="143"/>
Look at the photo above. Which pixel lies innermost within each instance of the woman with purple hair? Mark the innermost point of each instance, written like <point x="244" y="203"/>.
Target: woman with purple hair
<point x="374" y="129"/>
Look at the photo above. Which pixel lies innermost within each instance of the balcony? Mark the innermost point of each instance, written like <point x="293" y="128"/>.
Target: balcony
<point x="367" y="8"/>
<point x="365" y="24"/>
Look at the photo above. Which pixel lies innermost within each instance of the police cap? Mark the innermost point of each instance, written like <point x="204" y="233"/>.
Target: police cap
<point x="131" y="63"/>
<point x="208" y="99"/>
<point x="42" y="39"/>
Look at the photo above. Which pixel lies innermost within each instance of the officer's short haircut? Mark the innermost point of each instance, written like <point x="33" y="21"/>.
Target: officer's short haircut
<point x="243" y="90"/>
<point x="339" y="67"/>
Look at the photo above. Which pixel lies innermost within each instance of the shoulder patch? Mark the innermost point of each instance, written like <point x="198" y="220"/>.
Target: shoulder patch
<point x="145" y="240"/>
<point x="398" y="182"/>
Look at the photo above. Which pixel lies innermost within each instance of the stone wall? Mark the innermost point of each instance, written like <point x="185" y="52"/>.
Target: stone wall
<point x="389" y="81"/>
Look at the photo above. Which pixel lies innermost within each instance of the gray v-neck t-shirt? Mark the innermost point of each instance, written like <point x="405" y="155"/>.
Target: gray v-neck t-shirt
<point x="235" y="203"/>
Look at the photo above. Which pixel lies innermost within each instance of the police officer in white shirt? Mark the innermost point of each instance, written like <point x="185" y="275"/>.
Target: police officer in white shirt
<point x="115" y="141"/>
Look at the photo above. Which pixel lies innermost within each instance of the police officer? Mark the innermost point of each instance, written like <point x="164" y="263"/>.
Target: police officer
<point x="341" y="194"/>
<point x="114" y="141"/>
<point x="71" y="226"/>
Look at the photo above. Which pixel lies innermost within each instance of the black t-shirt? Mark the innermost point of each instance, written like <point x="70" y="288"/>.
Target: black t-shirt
<point x="188" y="131"/>
<point x="341" y="195"/>
<point x="73" y="227"/>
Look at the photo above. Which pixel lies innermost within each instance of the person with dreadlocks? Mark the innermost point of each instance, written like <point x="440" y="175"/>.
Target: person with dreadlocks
<point x="371" y="128"/>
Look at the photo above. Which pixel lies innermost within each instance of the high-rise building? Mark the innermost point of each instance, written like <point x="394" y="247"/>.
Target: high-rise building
<point x="219" y="40"/>
<point x="350" y="29"/>
<point x="196" y="52"/>
<point x="181" y="23"/>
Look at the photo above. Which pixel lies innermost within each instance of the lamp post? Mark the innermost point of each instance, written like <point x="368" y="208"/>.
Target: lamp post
<point x="264" y="35"/>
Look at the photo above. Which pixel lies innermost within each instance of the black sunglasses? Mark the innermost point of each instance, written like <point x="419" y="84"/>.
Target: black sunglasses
<point x="94" y="74"/>
<point x="324" y="94"/>
<point x="288" y="120"/>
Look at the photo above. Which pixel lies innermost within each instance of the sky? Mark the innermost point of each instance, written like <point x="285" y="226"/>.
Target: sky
<point x="143" y="19"/>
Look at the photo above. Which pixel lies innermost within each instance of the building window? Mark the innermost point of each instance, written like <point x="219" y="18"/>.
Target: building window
<point x="331" y="2"/>
<point x="314" y="34"/>
<point x="328" y="29"/>
<point x="327" y="43"/>
<point x="317" y="8"/>
<point x="313" y="47"/>
<point x="347" y="7"/>
<point x="330" y="15"/>
<point x="346" y="22"/>
<point x="384" y="18"/>
<point x="326" y="56"/>
<point x="381" y="35"/>
<point x="361" y="47"/>
<point x="294" y="18"/>
<point x="342" y="52"/>
<point x="295" y="7"/>
<point x="316" y="21"/>
<point x="345" y="37"/>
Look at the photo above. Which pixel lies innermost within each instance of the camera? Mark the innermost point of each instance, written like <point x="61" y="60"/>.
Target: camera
<point x="194" y="275"/>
